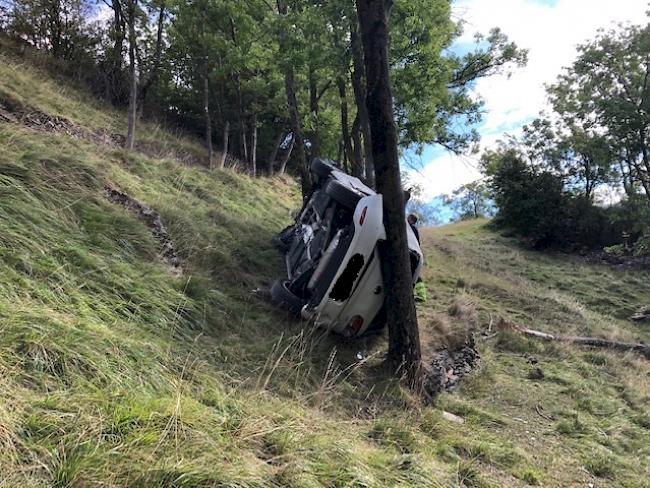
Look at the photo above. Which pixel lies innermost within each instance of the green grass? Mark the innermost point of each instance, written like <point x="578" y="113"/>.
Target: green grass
<point x="116" y="372"/>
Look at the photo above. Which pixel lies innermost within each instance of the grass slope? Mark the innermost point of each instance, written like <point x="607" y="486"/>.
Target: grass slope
<point x="114" y="372"/>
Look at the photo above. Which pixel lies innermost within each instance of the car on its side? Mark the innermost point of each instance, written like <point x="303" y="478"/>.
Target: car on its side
<point x="333" y="265"/>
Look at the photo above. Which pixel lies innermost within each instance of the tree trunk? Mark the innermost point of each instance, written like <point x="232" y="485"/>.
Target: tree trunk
<point x="287" y="156"/>
<point x="313" y="108"/>
<point x="644" y="173"/>
<point x="360" y="101"/>
<point x="404" y="354"/>
<point x="254" y="145"/>
<point x="345" y="129"/>
<point x="274" y="153"/>
<point x="357" y="150"/>
<point x="292" y="104"/>
<point x="206" y="112"/>
<point x="340" y="153"/>
<point x="224" y="151"/>
<point x="153" y="75"/>
<point x="133" y="92"/>
<point x="115" y="64"/>
<point x="206" y="91"/>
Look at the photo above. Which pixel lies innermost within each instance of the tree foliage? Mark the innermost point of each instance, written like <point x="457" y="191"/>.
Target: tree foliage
<point x="470" y="201"/>
<point x="603" y="100"/>
<point x="232" y="57"/>
<point x="546" y="183"/>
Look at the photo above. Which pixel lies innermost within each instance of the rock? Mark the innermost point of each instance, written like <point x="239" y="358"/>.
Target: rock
<point x="536" y="374"/>
<point x="452" y="418"/>
<point x="640" y="316"/>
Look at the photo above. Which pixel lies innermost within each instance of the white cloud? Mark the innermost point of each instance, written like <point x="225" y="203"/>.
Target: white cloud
<point x="551" y="31"/>
<point x="444" y="174"/>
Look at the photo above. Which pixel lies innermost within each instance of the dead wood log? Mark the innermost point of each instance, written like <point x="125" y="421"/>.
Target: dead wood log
<point x="638" y="347"/>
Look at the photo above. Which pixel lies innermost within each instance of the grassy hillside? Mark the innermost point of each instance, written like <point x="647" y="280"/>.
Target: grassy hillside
<point x="115" y="371"/>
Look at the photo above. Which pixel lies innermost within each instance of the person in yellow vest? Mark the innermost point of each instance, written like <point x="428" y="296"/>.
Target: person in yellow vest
<point x="420" y="290"/>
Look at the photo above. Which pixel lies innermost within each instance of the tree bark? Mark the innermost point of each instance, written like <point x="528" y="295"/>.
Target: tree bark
<point x="206" y="91"/>
<point x="287" y="156"/>
<point x="133" y="92"/>
<point x="345" y="129"/>
<point x="274" y="152"/>
<point x="313" y="108"/>
<point x="153" y="74"/>
<point x="360" y="101"/>
<point x="224" y="151"/>
<point x="254" y="145"/>
<point x="206" y="112"/>
<point x="355" y="134"/>
<point x="292" y="104"/>
<point x="118" y="33"/>
<point x="404" y="354"/>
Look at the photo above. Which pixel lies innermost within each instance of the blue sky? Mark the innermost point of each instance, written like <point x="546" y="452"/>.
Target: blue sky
<point x="550" y="30"/>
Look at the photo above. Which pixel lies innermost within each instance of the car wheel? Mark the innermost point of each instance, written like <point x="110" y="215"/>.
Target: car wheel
<point x="281" y="295"/>
<point x="283" y="240"/>
<point x="342" y="194"/>
<point x="321" y="168"/>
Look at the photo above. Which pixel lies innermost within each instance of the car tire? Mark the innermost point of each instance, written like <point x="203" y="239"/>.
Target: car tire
<point x="283" y="240"/>
<point x="342" y="194"/>
<point x="321" y="168"/>
<point x="281" y="295"/>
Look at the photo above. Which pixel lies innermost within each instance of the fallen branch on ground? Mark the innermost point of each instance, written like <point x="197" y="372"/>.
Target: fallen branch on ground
<point x="638" y="347"/>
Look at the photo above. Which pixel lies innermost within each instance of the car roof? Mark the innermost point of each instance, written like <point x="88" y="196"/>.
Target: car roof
<point x="352" y="182"/>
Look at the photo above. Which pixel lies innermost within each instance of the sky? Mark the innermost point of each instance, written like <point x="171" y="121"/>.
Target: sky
<point x="551" y="31"/>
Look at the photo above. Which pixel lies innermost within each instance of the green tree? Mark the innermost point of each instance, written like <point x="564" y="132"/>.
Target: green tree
<point x="606" y="92"/>
<point x="470" y="201"/>
<point x="404" y="340"/>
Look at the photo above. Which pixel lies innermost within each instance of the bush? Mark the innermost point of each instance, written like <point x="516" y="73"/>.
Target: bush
<point x="535" y="204"/>
<point x="642" y="246"/>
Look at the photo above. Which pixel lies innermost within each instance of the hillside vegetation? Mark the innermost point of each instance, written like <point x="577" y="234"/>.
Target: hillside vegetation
<point x="117" y="370"/>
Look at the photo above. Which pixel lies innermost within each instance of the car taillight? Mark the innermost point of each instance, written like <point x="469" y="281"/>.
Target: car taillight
<point x="363" y="215"/>
<point x="354" y="326"/>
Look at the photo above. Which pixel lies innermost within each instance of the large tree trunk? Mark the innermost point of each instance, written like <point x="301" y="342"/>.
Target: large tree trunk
<point x="404" y="354"/>
<point x="345" y="129"/>
<point x="224" y="151"/>
<point x="274" y="152"/>
<point x="360" y="100"/>
<point x="292" y="104"/>
<point x="133" y="92"/>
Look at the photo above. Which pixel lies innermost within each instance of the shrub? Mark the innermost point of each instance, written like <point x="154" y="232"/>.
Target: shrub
<point x="642" y="246"/>
<point x="537" y="205"/>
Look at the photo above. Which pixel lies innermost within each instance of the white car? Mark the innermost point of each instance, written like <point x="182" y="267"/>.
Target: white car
<point x="333" y="266"/>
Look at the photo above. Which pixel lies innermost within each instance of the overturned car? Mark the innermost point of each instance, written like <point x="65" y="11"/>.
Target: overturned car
<point x="333" y="266"/>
